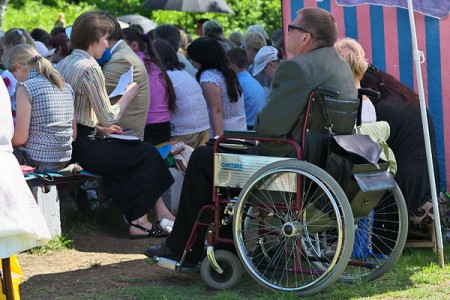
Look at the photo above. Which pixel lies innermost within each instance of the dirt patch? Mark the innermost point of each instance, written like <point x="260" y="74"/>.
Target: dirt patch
<point x="99" y="262"/>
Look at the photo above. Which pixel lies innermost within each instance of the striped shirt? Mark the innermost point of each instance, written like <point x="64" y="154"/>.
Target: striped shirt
<point x="50" y="133"/>
<point x="92" y="105"/>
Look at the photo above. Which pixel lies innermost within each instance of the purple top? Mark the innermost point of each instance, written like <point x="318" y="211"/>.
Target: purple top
<point x="158" y="111"/>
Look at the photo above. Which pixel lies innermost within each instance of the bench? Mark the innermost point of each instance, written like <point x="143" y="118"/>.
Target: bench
<point x="45" y="190"/>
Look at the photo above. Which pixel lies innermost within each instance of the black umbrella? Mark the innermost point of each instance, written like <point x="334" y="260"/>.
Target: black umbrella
<point x="189" y="5"/>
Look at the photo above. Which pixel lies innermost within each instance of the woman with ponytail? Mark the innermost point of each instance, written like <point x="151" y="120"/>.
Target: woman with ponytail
<point x="45" y="105"/>
<point x="162" y="94"/>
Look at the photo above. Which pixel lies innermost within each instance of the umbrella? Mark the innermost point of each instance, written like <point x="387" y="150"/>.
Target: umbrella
<point x="123" y="25"/>
<point x="142" y="21"/>
<point x="189" y="5"/>
<point x="435" y="9"/>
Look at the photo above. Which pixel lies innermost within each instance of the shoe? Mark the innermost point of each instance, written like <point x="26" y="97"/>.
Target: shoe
<point x="156" y="231"/>
<point x="166" y="225"/>
<point x="160" y="251"/>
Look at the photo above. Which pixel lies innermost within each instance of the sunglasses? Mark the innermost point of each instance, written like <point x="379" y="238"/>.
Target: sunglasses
<point x="292" y="27"/>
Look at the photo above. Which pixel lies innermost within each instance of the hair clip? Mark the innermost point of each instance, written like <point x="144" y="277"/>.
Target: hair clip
<point x="37" y="58"/>
<point x="145" y="37"/>
<point x="19" y="32"/>
<point x="374" y="71"/>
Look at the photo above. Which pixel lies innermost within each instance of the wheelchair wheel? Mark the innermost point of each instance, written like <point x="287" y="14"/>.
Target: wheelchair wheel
<point x="232" y="271"/>
<point x="293" y="227"/>
<point x="379" y="238"/>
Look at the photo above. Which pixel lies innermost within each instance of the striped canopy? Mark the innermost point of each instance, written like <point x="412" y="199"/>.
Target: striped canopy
<point x="385" y="34"/>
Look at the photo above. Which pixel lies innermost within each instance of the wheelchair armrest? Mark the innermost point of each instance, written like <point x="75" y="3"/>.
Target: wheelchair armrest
<point x="241" y="134"/>
<point x="250" y="134"/>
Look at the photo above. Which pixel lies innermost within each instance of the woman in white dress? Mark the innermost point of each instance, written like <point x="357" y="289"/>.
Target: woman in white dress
<point x="22" y="225"/>
<point x="219" y="84"/>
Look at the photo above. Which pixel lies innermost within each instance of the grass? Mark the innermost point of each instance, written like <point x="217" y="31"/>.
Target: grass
<point x="415" y="276"/>
<point x="55" y="244"/>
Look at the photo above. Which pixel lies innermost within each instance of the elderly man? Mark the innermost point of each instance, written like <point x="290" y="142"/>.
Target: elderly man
<point x="315" y="64"/>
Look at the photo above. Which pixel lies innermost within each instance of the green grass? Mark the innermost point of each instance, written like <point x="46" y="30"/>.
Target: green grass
<point x="55" y="244"/>
<point x="415" y="276"/>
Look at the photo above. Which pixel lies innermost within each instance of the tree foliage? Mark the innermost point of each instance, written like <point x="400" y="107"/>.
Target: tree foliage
<point x="42" y="13"/>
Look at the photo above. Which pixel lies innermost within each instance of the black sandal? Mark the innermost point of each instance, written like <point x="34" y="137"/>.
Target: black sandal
<point x="156" y="231"/>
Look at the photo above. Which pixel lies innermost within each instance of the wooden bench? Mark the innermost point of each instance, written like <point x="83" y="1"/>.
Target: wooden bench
<point x="427" y="243"/>
<point x="45" y="190"/>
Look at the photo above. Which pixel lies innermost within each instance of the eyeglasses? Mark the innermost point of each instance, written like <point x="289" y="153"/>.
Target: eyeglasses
<point x="292" y="27"/>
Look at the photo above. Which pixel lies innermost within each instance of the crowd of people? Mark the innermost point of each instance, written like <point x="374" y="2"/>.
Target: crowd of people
<point x="190" y="91"/>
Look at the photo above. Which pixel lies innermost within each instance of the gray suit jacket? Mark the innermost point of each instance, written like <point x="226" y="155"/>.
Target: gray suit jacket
<point x="293" y="82"/>
<point x="135" y="115"/>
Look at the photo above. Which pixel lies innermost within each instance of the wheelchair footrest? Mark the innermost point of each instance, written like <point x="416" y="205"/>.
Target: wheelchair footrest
<point x="167" y="263"/>
<point x="174" y="264"/>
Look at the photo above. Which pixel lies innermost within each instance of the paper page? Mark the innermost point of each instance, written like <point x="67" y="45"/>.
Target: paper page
<point x="123" y="137"/>
<point x="125" y="79"/>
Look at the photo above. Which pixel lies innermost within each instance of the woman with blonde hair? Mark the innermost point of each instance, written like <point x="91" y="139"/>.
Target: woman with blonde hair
<point x="44" y="111"/>
<point x="252" y="42"/>
<point x="353" y="53"/>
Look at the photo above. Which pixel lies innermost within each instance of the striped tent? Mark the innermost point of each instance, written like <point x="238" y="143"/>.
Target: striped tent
<point x="385" y="34"/>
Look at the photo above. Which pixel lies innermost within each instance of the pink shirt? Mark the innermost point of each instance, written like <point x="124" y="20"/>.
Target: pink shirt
<point x="158" y="111"/>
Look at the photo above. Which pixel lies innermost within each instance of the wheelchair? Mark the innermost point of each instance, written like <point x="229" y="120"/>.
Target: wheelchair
<point x="294" y="227"/>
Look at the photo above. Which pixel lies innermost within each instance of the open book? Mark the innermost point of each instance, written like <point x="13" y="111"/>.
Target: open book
<point x="124" y="81"/>
<point x="122" y="138"/>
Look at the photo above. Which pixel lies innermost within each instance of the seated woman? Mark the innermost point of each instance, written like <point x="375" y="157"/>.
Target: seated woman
<point x="134" y="174"/>
<point x="352" y="52"/>
<point x="162" y="95"/>
<point x="61" y="44"/>
<point x="189" y="122"/>
<point x="44" y="111"/>
<point x="399" y="106"/>
<point x="219" y="84"/>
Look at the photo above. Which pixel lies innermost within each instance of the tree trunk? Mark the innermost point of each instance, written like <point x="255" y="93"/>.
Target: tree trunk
<point x="3" y="4"/>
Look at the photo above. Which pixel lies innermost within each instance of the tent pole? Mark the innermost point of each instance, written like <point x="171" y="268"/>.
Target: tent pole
<point x="418" y="56"/>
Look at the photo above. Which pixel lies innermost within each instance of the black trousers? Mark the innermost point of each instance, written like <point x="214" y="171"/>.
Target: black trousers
<point x="134" y="174"/>
<point x="157" y="133"/>
<point x="195" y="193"/>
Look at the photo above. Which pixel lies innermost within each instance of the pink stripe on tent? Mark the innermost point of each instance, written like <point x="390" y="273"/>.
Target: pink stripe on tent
<point x="338" y="12"/>
<point x="309" y="3"/>
<point x="444" y="28"/>
<point x="391" y="41"/>
<point x="364" y="32"/>
<point x="286" y="17"/>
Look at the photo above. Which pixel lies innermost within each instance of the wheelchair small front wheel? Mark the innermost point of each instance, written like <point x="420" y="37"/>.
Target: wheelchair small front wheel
<point x="232" y="271"/>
